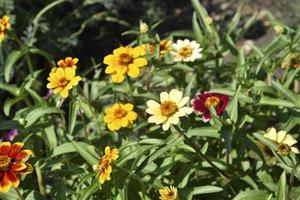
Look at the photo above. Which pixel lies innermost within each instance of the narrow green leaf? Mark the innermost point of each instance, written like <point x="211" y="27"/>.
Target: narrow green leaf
<point x="87" y="193"/>
<point x="37" y="113"/>
<point x="204" y="132"/>
<point x="206" y="189"/>
<point x="11" y="60"/>
<point x="281" y="192"/>
<point x="82" y="150"/>
<point x="232" y="107"/>
<point x="73" y="111"/>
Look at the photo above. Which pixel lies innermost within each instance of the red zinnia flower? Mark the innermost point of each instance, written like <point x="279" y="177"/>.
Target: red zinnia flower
<point x="11" y="156"/>
<point x="205" y="100"/>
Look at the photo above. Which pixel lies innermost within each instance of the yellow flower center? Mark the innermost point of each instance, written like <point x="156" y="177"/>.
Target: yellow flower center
<point x="283" y="149"/>
<point x="212" y="102"/>
<point x="185" y="51"/>
<point x="4" y="162"/>
<point x="125" y="59"/>
<point x="168" y="108"/>
<point x="120" y="113"/>
<point x="63" y="82"/>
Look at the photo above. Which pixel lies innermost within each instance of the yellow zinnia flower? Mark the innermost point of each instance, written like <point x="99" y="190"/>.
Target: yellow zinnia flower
<point x="104" y="168"/>
<point x="62" y="80"/>
<point x="4" y="25"/>
<point x="125" y="60"/>
<point x="119" y="115"/>
<point x="165" y="46"/>
<point x="169" y="110"/>
<point x="283" y="140"/>
<point x="67" y="62"/>
<point x="168" y="193"/>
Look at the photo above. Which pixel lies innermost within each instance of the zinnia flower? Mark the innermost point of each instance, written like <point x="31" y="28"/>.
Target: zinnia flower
<point x="205" y="100"/>
<point x="4" y="25"/>
<point x="169" y="110"/>
<point x="168" y="193"/>
<point x="283" y="140"/>
<point x="267" y="153"/>
<point x="67" y="62"/>
<point x="62" y="81"/>
<point x="104" y="168"/>
<point x="165" y="46"/>
<point x="10" y="135"/>
<point x="125" y="60"/>
<point x="11" y="164"/>
<point x="186" y="50"/>
<point x="119" y="115"/>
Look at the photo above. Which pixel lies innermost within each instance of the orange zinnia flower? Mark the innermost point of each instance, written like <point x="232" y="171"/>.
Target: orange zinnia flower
<point x="11" y="164"/>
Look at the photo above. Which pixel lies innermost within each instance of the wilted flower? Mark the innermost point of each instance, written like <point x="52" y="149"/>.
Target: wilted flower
<point x="119" y="115"/>
<point x="125" y="60"/>
<point x="10" y="135"/>
<point x="204" y="101"/>
<point x="186" y="50"/>
<point x="165" y="46"/>
<point x="168" y="193"/>
<point x="62" y="80"/>
<point x="268" y="155"/>
<point x="11" y="164"/>
<point x="169" y="110"/>
<point x="104" y="168"/>
<point x="4" y="25"/>
<point x="283" y="140"/>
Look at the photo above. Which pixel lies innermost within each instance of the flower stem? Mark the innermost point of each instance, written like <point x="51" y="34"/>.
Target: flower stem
<point x="20" y="197"/>
<point x="291" y="183"/>
<point x="200" y="154"/>
<point x="39" y="178"/>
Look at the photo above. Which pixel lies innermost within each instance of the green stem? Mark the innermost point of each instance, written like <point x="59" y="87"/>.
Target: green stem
<point x="291" y="183"/>
<point x="29" y="63"/>
<point x="200" y="154"/>
<point x="39" y="178"/>
<point x="20" y="197"/>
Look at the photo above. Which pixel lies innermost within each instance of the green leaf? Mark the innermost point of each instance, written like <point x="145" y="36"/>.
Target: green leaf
<point x="82" y="150"/>
<point x="197" y="29"/>
<point x="37" y="113"/>
<point x="9" y="124"/>
<point x="206" y="189"/>
<point x="11" y="60"/>
<point x="50" y="137"/>
<point x="232" y="107"/>
<point x="10" y="88"/>
<point x="281" y="187"/>
<point x="251" y="195"/>
<point x="35" y="195"/>
<point x="89" y="191"/>
<point x="44" y="54"/>
<point x="73" y="111"/>
<point x="191" y="83"/>
<point x="275" y="102"/>
<point x="235" y="20"/>
<point x="10" y="102"/>
<point x="204" y="132"/>
<point x="289" y="95"/>
<point x="66" y="148"/>
<point x="10" y="195"/>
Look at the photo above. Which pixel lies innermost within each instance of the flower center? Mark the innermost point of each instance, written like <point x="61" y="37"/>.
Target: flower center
<point x="212" y="102"/>
<point x="185" y="51"/>
<point x="170" y="194"/>
<point x="120" y="113"/>
<point x="283" y="149"/>
<point x="63" y="82"/>
<point x="4" y="162"/>
<point x="125" y="59"/>
<point x="168" y="108"/>
<point x="294" y="63"/>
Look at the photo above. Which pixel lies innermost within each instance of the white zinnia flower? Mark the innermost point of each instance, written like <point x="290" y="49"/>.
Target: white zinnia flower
<point x="186" y="50"/>
<point x="283" y="140"/>
<point x="169" y="110"/>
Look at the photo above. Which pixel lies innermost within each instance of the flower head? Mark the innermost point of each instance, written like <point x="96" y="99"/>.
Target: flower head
<point x="186" y="50"/>
<point x="11" y="164"/>
<point x="4" y="25"/>
<point x="62" y="80"/>
<point x="165" y="46"/>
<point x="267" y="153"/>
<point x="283" y="140"/>
<point x="168" y="193"/>
<point x="67" y="62"/>
<point x="104" y="168"/>
<point x="119" y="115"/>
<point x="125" y="60"/>
<point x="144" y="28"/>
<point x="170" y="108"/>
<point x="203" y="101"/>
<point x="10" y="135"/>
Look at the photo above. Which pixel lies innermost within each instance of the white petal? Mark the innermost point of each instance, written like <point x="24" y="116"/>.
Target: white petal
<point x="153" y="107"/>
<point x="289" y="140"/>
<point x="174" y="119"/>
<point x="281" y="136"/>
<point x="295" y="150"/>
<point x="184" y="111"/>
<point x="166" y="125"/>
<point x="175" y="96"/>
<point x="164" y="97"/>
<point x="183" y="101"/>
<point x="271" y="134"/>
<point x="157" y="119"/>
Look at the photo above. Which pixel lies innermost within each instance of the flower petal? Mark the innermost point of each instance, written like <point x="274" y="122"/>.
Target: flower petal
<point x="23" y="154"/>
<point x="15" y="149"/>
<point x="5" y="148"/>
<point x="175" y="95"/>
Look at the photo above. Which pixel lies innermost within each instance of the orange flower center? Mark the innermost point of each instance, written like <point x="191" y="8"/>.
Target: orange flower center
<point x="283" y="149"/>
<point x="125" y="59"/>
<point x="4" y="162"/>
<point x="294" y="63"/>
<point x="170" y="194"/>
<point x="212" y="102"/>
<point x="120" y="113"/>
<point x="63" y="82"/>
<point x="168" y="108"/>
<point x="164" y="45"/>
<point x="185" y="51"/>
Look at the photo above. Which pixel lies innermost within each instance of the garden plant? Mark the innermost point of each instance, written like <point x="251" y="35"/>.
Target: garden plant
<point x="193" y="114"/>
